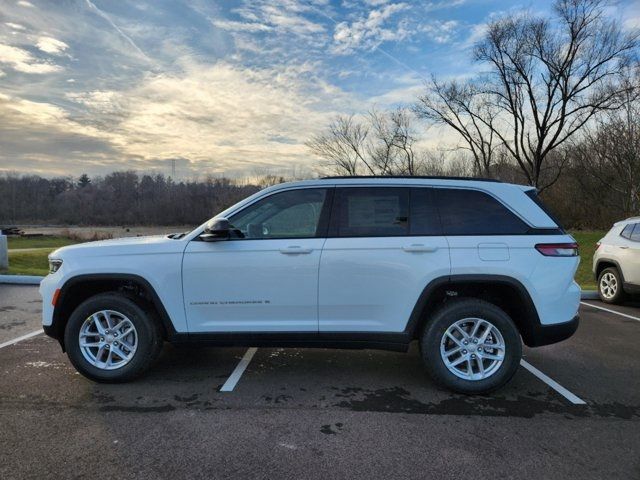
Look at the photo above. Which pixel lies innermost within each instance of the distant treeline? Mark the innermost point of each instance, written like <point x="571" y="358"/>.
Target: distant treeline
<point x="120" y="198"/>
<point x="128" y="198"/>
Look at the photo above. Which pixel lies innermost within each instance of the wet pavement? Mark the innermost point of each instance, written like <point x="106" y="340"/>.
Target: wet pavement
<point x="316" y="413"/>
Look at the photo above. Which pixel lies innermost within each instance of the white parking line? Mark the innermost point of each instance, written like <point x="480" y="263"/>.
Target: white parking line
<point x="19" y="339"/>
<point x="553" y="384"/>
<point x="231" y="382"/>
<point x="612" y="311"/>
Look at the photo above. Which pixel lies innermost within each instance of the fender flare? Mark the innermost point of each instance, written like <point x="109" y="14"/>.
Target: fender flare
<point x="609" y="260"/>
<point x="527" y="328"/>
<point x="55" y="329"/>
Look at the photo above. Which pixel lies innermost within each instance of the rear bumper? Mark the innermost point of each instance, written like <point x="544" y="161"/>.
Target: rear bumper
<point x="547" y="334"/>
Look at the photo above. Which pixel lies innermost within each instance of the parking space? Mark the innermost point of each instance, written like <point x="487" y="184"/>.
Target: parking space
<point x="315" y="413"/>
<point x="20" y="310"/>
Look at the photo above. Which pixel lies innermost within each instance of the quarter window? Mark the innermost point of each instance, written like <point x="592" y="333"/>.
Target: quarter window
<point x="635" y="235"/>
<point x="471" y="212"/>
<point x="372" y="212"/>
<point x="290" y="214"/>
<point x="627" y="231"/>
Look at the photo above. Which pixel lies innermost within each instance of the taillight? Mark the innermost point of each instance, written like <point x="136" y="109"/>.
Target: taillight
<point x="558" y="249"/>
<point x="597" y="245"/>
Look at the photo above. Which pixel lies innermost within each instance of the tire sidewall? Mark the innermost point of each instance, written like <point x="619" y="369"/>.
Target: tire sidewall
<point x="618" y="297"/>
<point x="451" y="313"/>
<point x="147" y="337"/>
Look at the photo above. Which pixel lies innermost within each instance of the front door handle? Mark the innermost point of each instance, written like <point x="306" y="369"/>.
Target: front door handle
<point x="624" y="247"/>
<point x="295" y="250"/>
<point x="419" y="247"/>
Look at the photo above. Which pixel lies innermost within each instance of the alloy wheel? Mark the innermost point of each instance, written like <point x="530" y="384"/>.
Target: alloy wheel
<point x="472" y="349"/>
<point x="108" y="340"/>
<point x="609" y="285"/>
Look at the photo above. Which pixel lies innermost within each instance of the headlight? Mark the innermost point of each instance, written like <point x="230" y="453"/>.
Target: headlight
<point x="54" y="265"/>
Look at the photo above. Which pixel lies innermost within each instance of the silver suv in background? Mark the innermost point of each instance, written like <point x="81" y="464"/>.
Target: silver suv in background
<point x="616" y="262"/>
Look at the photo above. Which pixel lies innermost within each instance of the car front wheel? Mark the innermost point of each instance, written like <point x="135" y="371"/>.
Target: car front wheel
<point x="471" y="346"/>
<point x="610" y="286"/>
<point x="110" y="338"/>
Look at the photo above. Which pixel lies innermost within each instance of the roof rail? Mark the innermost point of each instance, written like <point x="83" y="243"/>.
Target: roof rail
<point x="424" y="177"/>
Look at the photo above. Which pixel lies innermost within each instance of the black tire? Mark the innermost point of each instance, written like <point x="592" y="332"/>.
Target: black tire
<point x="460" y="309"/>
<point x="619" y="295"/>
<point x="149" y="338"/>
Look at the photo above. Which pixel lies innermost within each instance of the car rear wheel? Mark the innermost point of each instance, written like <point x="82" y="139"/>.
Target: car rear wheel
<point x="471" y="346"/>
<point x="110" y="338"/>
<point x="610" y="286"/>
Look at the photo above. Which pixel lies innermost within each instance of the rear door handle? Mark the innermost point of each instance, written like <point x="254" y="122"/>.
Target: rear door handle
<point x="295" y="250"/>
<point x="419" y="247"/>
<point x="623" y="247"/>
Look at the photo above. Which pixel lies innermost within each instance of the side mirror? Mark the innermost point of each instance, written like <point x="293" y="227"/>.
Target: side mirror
<point x="216" y="229"/>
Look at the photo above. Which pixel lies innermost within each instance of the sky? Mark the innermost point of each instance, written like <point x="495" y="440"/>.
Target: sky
<point x="230" y="88"/>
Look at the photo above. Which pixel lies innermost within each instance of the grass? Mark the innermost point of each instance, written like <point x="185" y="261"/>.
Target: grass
<point x="587" y="240"/>
<point x="39" y="242"/>
<point x="28" y="263"/>
<point x="35" y="263"/>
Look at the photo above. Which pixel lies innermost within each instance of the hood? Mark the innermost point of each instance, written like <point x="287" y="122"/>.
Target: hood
<point x="122" y="246"/>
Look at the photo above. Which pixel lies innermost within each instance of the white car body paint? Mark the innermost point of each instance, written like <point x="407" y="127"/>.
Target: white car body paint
<point x="364" y="284"/>
<point x="372" y="284"/>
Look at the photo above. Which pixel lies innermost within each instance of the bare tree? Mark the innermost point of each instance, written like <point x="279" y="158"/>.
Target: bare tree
<point x="381" y="143"/>
<point x="547" y="79"/>
<point x="342" y="147"/>
<point x="609" y="156"/>
<point x="466" y="109"/>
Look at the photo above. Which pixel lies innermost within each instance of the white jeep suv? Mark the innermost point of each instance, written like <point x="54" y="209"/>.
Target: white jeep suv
<point x="468" y="268"/>
<point x="616" y="261"/>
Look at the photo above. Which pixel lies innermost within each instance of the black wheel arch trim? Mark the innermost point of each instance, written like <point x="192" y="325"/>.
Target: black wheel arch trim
<point x="612" y="261"/>
<point x="533" y="332"/>
<point x="54" y="330"/>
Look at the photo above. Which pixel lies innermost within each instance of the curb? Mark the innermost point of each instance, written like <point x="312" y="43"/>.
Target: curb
<point x="21" y="279"/>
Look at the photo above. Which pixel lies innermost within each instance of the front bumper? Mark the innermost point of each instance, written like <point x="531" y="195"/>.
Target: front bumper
<point x="541" y="335"/>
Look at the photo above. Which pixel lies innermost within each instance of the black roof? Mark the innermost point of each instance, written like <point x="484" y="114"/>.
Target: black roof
<point x="425" y="177"/>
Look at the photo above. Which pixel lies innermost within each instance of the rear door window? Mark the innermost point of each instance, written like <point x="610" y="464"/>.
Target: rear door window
<point x="371" y="212"/>
<point x="635" y="235"/>
<point x="424" y="218"/>
<point x="471" y="212"/>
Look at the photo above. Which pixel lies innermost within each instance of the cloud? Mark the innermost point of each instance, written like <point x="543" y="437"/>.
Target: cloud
<point x="221" y="114"/>
<point x="280" y="16"/>
<point x="367" y="33"/>
<point x="24" y="3"/>
<point x="51" y="45"/>
<point x="440" y="31"/>
<point x="14" y="26"/>
<point x="476" y="34"/>
<point x="224" y="119"/>
<point x="228" y="87"/>
<point x="22" y="61"/>
<point x="41" y="137"/>
<point x="241" y="26"/>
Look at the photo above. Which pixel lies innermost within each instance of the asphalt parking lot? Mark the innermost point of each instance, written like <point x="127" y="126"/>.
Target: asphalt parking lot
<point x="305" y="413"/>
